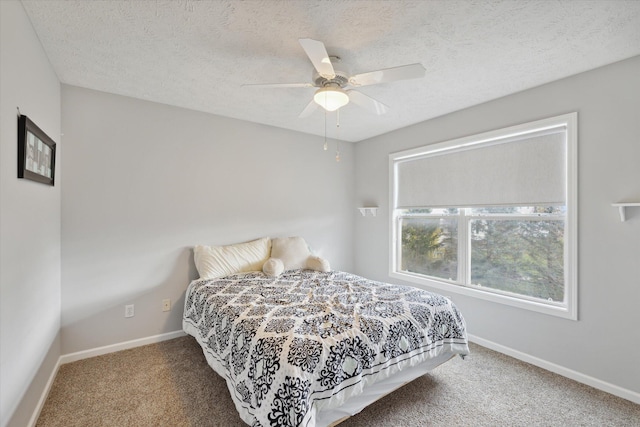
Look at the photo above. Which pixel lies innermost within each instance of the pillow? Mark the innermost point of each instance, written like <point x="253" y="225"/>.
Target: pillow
<point x="273" y="267"/>
<point x="318" y="264"/>
<point x="219" y="261"/>
<point x="293" y="252"/>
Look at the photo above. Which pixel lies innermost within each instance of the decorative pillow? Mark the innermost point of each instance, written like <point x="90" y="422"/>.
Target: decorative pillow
<point x="293" y="251"/>
<point x="219" y="261"/>
<point x="318" y="264"/>
<point x="273" y="267"/>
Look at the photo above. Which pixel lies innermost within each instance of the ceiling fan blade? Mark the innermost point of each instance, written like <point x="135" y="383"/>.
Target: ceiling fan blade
<point x="412" y="71"/>
<point x="309" y="109"/>
<point x="367" y="102"/>
<point x="269" y="85"/>
<point x="318" y="55"/>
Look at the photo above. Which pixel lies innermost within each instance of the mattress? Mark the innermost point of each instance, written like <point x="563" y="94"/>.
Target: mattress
<point x="307" y="348"/>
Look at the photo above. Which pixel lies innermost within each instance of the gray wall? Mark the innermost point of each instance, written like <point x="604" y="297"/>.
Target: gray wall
<point x="29" y="223"/>
<point x="604" y="343"/>
<point x="145" y="182"/>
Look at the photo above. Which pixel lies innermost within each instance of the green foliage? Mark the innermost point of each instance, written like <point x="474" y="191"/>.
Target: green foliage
<point x="522" y="256"/>
<point x="428" y="248"/>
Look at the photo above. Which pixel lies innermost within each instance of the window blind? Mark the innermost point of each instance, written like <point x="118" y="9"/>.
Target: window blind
<point x="528" y="169"/>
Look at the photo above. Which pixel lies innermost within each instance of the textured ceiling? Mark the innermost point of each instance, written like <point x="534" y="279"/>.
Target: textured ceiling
<point x="198" y="54"/>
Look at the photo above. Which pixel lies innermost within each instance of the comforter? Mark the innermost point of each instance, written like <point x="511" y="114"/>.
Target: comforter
<point x="308" y="340"/>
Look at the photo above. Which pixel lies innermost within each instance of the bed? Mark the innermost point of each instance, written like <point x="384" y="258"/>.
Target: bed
<point x="311" y="347"/>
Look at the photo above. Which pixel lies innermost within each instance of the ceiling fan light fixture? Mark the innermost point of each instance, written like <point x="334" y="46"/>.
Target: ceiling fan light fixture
<point x="331" y="98"/>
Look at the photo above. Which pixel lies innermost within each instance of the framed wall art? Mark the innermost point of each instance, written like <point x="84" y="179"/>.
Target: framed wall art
<point x="36" y="153"/>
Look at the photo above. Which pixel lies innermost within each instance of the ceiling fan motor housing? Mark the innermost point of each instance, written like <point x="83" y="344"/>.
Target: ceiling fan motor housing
<point x="341" y="78"/>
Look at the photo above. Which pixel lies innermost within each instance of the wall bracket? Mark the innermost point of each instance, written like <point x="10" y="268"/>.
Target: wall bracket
<point x="369" y="210"/>
<point x="621" y="208"/>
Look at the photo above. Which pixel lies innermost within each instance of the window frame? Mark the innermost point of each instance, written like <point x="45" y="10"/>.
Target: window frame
<point x="569" y="307"/>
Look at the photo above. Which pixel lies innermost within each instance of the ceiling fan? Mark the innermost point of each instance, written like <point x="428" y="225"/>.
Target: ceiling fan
<point x="335" y="85"/>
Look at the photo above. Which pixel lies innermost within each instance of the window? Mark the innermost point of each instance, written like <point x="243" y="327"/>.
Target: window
<point x="491" y="215"/>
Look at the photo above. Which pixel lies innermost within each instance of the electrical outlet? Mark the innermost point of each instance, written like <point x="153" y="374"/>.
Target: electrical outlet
<point x="166" y="305"/>
<point x="128" y="310"/>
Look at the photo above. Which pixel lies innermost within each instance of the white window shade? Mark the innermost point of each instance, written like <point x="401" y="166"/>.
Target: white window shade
<point x="528" y="169"/>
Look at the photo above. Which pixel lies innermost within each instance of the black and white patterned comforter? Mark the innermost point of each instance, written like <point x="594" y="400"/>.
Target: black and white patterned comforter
<point x="305" y="339"/>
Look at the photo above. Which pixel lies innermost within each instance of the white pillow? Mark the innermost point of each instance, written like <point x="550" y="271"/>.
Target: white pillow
<point x="273" y="267"/>
<point x="318" y="264"/>
<point x="219" y="261"/>
<point x="293" y="251"/>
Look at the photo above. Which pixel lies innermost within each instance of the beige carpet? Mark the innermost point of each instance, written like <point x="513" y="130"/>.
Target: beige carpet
<point x="170" y="384"/>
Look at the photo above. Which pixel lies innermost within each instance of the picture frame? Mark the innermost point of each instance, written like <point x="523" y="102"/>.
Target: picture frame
<point x="36" y="153"/>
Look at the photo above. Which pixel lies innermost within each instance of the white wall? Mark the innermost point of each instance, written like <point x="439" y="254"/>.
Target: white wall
<point x="29" y="223"/>
<point x="144" y="182"/>
<point x="603" y="344"/>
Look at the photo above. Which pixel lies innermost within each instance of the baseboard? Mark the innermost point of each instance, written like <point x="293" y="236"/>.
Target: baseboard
<point x="560" y="370"/>
<point x="99" y="351"/>
<point x="45" y="394"/>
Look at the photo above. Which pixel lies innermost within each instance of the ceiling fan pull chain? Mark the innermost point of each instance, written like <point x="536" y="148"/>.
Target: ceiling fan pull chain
<point x="325" y="130"/>
<point x="338" y="135"/>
